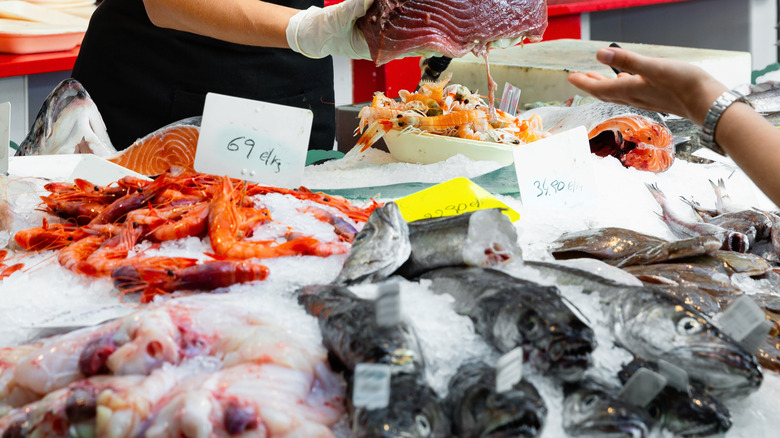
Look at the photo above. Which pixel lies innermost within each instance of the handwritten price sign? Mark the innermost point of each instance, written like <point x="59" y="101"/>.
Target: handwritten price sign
<point x="555" y="171"/>
<point x="556" y="186"/>
<point x="450" y="198"/>
<point x="252" y="140"/>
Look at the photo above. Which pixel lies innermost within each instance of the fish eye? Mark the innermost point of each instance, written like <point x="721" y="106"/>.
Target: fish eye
<point x="423" y="425"/>
<point x="654" y="410"/>
<point x="689" y="326"/>
<point x="530" y="324"/>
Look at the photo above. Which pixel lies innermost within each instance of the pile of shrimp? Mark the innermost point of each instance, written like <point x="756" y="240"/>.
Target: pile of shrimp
<point x="451" y="110"/>
<point x="102" y="225"/>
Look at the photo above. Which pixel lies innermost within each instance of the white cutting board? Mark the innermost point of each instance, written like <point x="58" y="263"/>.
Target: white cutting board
<point x="540" y="70"/>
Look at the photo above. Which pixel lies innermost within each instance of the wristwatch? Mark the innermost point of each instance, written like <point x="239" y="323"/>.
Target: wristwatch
<point x="713" y="117"/>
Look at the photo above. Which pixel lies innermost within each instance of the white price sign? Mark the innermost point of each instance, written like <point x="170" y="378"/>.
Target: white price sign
<point x="555" y="171"/>
<point x="252" y="140"/>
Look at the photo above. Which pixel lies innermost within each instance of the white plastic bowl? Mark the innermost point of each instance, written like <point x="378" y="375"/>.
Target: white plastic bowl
<point x="425" y="148"/>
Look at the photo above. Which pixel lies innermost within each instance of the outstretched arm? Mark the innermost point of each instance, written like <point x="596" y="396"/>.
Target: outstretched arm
<point x="249" y="22"/>
<point x="683" y="89"/>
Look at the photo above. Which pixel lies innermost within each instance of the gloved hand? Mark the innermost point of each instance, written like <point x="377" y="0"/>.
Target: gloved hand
<point x="319" y="32"/>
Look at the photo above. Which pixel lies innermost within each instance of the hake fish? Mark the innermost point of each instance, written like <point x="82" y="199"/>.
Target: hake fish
<point x="413" y="411"/>
<point x="638" y="138"/>
<point x="509" y="312"/>
<point x="67" y="123"/>
<point x="481" y="238"/>
<point x="477" y="410"/>
<point x="688" y="412"/>
<point x="654" y="325"/>
<point x="380" y="248"/>
<point x="593" y="409"/>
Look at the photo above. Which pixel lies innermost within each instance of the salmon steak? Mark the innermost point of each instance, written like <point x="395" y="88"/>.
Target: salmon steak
<point x="638" y="138"/>
<point x="171" y="145"/>
<point x="451" y="27"/>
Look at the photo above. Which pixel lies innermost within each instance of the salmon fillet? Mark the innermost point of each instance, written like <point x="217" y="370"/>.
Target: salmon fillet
<point x="172" y="145"/>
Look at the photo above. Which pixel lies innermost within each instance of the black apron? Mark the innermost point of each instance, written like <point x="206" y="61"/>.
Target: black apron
<point x="143" y="77"/>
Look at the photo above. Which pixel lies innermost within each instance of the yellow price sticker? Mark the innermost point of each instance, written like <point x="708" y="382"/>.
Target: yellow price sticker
<point x="450" y="198"/>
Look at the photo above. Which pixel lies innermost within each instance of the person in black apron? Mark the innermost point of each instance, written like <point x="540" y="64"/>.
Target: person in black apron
<point x="143" y="77"/>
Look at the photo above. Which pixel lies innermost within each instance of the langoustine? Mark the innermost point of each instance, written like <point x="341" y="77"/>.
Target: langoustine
<point x="449" y="110"/>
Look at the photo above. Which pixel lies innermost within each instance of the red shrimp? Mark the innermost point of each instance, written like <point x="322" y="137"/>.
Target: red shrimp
<point x="224" y="220"/>
<point x="153" y="279"/>
<point x="111" y="253"/>
<point x="46" y="237"/>
<point x="74" y="255"/>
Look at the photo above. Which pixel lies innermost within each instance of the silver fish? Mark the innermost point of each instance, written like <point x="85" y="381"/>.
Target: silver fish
<point x="593" y="409"/>
<point x="687" y="413"/>
<point x="477" y="410"/>
<point x="67" y="123"/>
<point x="731" y="239"/>
<point x="510" y="312"/>
<point x="481" y="238"/>
<point x="654" y="325"/>
<point x="380" y="248"/>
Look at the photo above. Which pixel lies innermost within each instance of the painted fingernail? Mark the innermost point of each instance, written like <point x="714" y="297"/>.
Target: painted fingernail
<point x="605" y="55"/>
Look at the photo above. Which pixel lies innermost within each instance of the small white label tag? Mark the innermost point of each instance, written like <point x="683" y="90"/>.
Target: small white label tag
<point x="676" y="377"/>
<point x="509" y="370"/>
<point x="371" y="388"/>
<point x="745" y="322"/>
<point x="5" y="135"/>
<point x="642" y="387"/>
<point x="388" y="305"/>
<point x="252" y="140"/>
<point x="555" y="171"/>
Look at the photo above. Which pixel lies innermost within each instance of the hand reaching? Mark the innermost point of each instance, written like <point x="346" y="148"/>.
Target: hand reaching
<point x="658" y="84"/>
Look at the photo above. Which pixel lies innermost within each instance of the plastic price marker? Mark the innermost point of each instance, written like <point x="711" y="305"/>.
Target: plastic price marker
<point x="509" y="370"/>
<point x="642" y="387"/>
<point x="675" y="376"/>
<point x="252" y="140"/>
<point x="510" y="99"/>
<point x="555" y="171"/>
<point x="371" y="388"/>
<point x="450" y="198"/>
<point x="745" y="322"/>
<point x="388" y="305"/>
<point x="5" y="135"/>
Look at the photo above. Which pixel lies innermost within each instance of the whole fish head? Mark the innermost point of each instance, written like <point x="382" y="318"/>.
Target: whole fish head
<point x="413" y="412"/>
<point x="518" y="412"/>
<point x="690" y="412"/>
<point x="560" y="343"/>
<point x="654" y="325"/>
<point x="693" y="414"/>
<point x="589" y="411"/>
<point x="68" y="122"/>
<point x="380" y="248"/>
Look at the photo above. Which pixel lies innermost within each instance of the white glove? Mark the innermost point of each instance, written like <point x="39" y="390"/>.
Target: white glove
<point x="319" y="32"/>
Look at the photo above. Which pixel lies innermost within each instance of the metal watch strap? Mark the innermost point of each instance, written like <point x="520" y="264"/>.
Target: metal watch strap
<point x="713" y="117"/>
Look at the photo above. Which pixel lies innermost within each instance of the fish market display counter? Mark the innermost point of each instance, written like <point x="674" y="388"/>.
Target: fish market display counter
<point x="26" y="80"/>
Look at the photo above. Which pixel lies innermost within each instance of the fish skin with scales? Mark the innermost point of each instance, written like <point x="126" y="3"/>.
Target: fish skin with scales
<point x="510" y="312"/>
